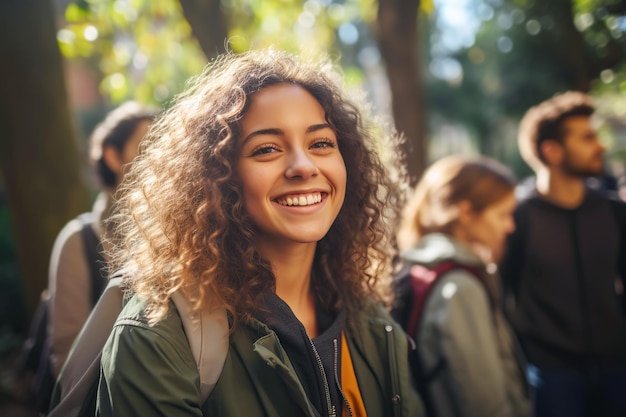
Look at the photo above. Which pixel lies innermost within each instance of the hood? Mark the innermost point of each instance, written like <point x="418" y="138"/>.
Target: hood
<point x="437" y="247"/>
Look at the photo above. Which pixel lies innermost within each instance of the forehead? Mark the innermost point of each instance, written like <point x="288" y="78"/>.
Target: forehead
<point x="505" y="204"/>
<point x="281" y="95"/>
<point x="577" y="124"/>
<point x="282" y="106"/>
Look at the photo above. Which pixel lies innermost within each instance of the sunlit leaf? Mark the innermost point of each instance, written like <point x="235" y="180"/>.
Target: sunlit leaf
<point x="74" y="13"/>
<point x="427" y="6"/>
<point x="354" y="76"/>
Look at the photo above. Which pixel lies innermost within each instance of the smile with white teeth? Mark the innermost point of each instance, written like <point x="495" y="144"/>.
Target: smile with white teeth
<point x="300" y="200"/>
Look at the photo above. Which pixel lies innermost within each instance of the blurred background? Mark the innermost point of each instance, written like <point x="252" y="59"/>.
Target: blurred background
<point x="454" y="76"/>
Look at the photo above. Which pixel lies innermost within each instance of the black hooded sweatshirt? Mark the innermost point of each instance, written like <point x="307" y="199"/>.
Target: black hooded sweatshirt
<point x="564" y="269"/>
<point x="308" y="354"/>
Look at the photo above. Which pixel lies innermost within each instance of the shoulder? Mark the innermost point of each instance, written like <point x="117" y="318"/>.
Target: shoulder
<point x="595" y="199"/>
<point x="148" y="370"/>
<point x="68" y="250"/>
<point x="458" y="290"/>
<point x="69" y="233"/>
<point x="528" y="208"/>
<point x="616" y="204"/>
<point x="463" y="280"/>
<point x="529" y="202"/>
<point x="136" y="350"/>
<point x="378" y="313"/>
<point x="377" y="337"/>
<point x="378" y="321"/>
<point x="132" y="323"/>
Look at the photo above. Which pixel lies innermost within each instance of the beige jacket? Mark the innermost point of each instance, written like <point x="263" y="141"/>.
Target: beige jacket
<point x="463" y="324"/>
<point x="69" y="284"/>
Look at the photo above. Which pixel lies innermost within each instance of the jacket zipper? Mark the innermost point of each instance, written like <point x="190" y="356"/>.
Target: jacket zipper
<point x="345" y="400"/>
<point x="331" y="408"/>
<point x="395" y="391"/>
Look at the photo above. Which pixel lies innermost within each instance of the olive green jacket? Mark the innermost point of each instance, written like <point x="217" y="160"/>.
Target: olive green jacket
<point x="150" y="371"/>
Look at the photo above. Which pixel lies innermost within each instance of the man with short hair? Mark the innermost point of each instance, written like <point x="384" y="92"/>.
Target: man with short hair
<point x="564" y="268"/>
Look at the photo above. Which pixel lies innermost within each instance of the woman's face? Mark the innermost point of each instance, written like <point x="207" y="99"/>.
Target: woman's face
<point x="291" y="170"/>
<point x="487" y="230"/>
<point x="119" y="161"/>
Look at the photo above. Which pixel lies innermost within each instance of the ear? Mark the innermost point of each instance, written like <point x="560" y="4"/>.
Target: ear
<point x="466" y="213"/>
<point x="113" y="159"/>
<point x="552" y="152"/>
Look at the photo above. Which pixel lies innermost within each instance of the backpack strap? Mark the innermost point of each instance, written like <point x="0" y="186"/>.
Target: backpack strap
<point x="422" y="283"/>
<point x="208" y="333"/>
<point x="423" y="280"/>
<point x="95" y="259"/>
<point x="80" y="373"/>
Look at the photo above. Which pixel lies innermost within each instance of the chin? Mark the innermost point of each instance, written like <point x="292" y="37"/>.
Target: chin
<point x="313" y="238"/>
<point x="303" y="236"/>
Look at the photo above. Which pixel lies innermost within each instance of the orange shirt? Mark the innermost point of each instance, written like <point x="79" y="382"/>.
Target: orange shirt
<point x="349" y="384"/>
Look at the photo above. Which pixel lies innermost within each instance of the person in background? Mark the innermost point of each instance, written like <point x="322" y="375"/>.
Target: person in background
<point x="260" y="192"/>
<point x="564" y="268"/>
<point x="114" y="144"/>
<point x="459" y="215"/>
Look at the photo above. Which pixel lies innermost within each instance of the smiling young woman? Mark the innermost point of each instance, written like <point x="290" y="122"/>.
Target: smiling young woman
<point x="260" y="191"/>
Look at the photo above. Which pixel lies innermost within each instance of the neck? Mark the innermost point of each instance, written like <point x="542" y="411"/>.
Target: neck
<point x="291" y="266"/>
<point x="481" y="251"/>
<point x="563" y="190"/>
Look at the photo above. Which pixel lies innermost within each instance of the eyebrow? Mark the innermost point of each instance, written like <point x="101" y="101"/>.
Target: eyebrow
<point x="279" y="132"/>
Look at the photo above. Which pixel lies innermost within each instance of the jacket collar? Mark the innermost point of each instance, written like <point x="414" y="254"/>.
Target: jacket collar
<point x="436" y="247"/>
<point x="372" y="341"/>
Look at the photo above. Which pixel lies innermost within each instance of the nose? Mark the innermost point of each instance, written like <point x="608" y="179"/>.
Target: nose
<point x="301" y="165"/>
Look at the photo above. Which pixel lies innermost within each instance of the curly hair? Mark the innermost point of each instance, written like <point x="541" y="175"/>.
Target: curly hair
<point x="182" y="222"/>
<point x="433" y="207"/>
<point x="545" y="121"/>
<point x="115" y="131"/>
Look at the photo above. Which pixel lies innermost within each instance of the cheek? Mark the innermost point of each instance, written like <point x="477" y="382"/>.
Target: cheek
<point x="252" y="189"/>
<point x="247" y="185"/>
<point x="343" y="182"/>
<point x="501" y="229"/>
<point x="340" y="174"/>
<point x="491" y="230"/>
<point x="131" y="150"/>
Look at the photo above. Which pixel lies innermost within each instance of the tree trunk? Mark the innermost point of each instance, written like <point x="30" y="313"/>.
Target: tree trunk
<point x="579" y="58"/>
<point x="39" y="156"/>
<point x="208" y="24"/>
<point x="399" y="46"/>
<point x="570" y="46"/>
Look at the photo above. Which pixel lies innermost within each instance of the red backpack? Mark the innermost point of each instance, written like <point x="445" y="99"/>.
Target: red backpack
<point x="422" y="283"/>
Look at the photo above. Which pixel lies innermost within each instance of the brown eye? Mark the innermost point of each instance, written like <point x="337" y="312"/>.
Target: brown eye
<point x="324" y="143"/>
<point x="264" y="150"/>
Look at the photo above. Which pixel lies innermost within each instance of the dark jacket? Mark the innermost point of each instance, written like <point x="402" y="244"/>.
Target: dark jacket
<point x="563" y="276"/>
<point x="150" y="371"/>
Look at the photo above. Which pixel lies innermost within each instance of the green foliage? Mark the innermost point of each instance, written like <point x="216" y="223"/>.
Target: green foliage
<point x="284" y="24"/>
<point x="142" y="48"/>
<point x="526" y="52"/>
<point x="603" y="23"/>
